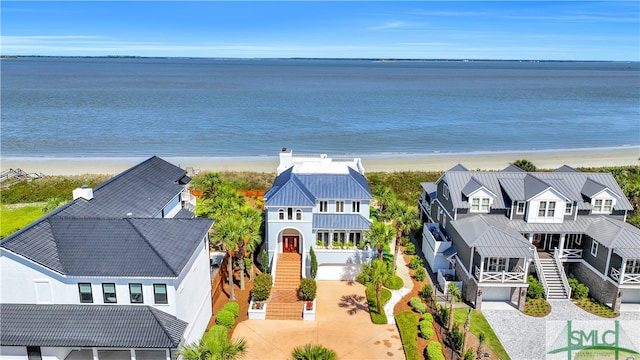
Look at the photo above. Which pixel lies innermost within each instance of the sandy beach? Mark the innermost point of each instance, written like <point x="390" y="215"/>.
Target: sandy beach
<point x="424" y="162"/>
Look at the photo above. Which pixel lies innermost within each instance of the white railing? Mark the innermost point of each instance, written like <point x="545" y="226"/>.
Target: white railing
<point x="426" y="207"/>
<point x="500" y="276"/>
<point x="571" y="254"/>
<point x="563" y="276"/>
<point x="541" y="278"/>
<point x="626" y="279"/>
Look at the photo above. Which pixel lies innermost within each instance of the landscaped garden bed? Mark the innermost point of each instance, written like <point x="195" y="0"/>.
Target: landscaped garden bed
<point x="596" y="308"/>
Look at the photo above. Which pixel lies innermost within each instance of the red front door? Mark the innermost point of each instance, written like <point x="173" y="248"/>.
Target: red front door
<point x="290" y="243"/>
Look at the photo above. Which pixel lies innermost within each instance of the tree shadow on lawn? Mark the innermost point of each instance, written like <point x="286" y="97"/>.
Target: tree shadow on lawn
<point x="354" y="303"/>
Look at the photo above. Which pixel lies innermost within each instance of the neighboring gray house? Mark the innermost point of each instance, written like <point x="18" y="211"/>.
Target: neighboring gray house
<point x="495" y="227"/>
<point x="121" y="271"/>
<point x="319" y="202"/>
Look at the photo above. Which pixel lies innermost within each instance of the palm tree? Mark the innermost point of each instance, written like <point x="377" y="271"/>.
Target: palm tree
<point x="227" y="232"/>
<point x="215" y="345"/>
<point x="379" y="235"/>
<point x="525" y="165"/>
<point x="382" y="194"/>
<point x="404" y="218"/>
<point x="375" y="274"/>
<point x="254" y="239"/>
<point x="208" y="184"/>
<point x="313" y="352"/>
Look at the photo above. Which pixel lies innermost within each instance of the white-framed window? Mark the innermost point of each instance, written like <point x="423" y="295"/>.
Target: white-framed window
<point x="298" y="214"/>
<point x="324" y="206"/>
<point x="339" y="206"/>
<point x="547" y="209"/>
<point x="485" y="204"/>
<point x="280" y="214"/>
<point x="480" y="204"/>
<point x="135" y="294"/>
<point x="109" y="293"/>
<point x="355" y="238"/>
<point x="568" y="208"/>
<point x="322" y="238"/>
<point x="445" y="191"/>
<point x="608" y="205"/>
<point x="594" y="248"/>
<point x="632" y="266"/>
<point x="602" y="206"/>
<point x="520" y="207"/>
<point x="355" y="206"/>
<point x="86" y="294"/>
<point x="496" y="264"/>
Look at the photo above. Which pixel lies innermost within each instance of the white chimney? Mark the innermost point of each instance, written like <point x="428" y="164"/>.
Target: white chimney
<point x="84" y="192"/>
<point x="286" y="160"/>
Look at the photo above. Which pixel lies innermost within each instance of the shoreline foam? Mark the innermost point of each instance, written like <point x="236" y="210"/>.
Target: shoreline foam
<point x="486" y="160"/>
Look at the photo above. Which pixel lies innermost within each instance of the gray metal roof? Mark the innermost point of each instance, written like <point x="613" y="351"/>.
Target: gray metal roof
<point x="566" y="168"/>
<point x="143" y="191"/>
<point x="340" y="221"/>
<point x="492" y="240"/>
<point x="110" y="247"/>
<point x="458" y="167"/>
<point x="592" y="188"/>
<point x="578" y="226"/>
<point x="521" y="186"/>
<point x="291" y="189"/>
<point x="472" y="186"/>
<point x="512" y="168"/>
<point x="623" y="238"/>
<point x="116" y="326"/>
<point x="451" y="250"/>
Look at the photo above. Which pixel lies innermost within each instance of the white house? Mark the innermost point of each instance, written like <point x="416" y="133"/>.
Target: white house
<point x="319" y="202"/>
<point x="122" y="271"/>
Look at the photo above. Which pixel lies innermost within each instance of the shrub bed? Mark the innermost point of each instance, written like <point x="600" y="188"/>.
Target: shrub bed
<point x="433" y="351"/>
<point x="420" y="274"/>
<point x="537" y="307"/>
<point x="225" y="318"/>
<point x="417" y="305"/>
<point x="232" y="307"/>
<point x="385" y="295"/>
<point x="407" y="323"/>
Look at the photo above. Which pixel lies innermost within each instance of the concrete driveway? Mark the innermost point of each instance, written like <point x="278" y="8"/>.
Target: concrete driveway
<point x="342" y="324"/>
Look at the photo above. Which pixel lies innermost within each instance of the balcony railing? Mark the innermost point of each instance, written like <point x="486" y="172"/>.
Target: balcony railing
<point x="626" y="279"/>
<point x="500" y="276"/>
<point x="425" y="205"/>
<point x="570" y="254"/>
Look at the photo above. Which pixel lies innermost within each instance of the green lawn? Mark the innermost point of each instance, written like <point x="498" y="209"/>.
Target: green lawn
<point x="14" y="219"/>
<point x="480" y="325"/>
<point x="385" y="295"/>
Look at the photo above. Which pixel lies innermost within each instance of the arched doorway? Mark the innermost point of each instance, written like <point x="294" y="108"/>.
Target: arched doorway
<point x="291" y="241"/>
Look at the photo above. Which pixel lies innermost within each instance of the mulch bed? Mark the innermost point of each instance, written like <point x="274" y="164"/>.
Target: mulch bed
<point x="242" y="297"/>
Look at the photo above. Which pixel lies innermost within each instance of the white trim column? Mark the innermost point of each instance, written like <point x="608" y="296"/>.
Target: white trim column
<point x="330" y="239"/>
<point x="623" y="266"/>
<point x="168" y="354"/>
<point x="481" y="268"/>
<point x="133" y="354"/>
<point x="561" y="243"/>
<point x="94" y="353"/>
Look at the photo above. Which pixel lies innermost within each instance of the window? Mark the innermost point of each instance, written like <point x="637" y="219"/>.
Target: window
<point x="475" y="204"/>
<point x="597" y="205"/>
<point x="480" y="204"/>
<point x="289" y="214"/>
<point x="547" y="209"/>
<point x="34" y="353"/>
<point x="445" y="191"/>
<point x="160" y="294"/>
<point x="298" y="214"/>
<point x="135" y="292"/>
<point x="496" y="264"/>
<point x="109" y="292"/>
<point x="594" y="248"/>
<point x="632" y="266"/>
<point x="568" y="207"/>
<point x="608" y="204"/>
<point x="339" y="206"/>
<point x="520" y="208"/>
<point x="323" y="206"/>
<point x="281" y="214"/>
<point x="86" y="296"/>
<point x="602" y="206"/>
<point x="323" y="238"/>
<point x="355" y="207"/>
<point x="485" y="204"/>
<point x="355" y="238"/>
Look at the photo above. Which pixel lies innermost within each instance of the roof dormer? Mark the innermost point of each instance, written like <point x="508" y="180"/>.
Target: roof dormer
<point x="479" y="196"/>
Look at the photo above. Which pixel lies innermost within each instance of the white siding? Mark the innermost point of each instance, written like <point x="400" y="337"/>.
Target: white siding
<point x="13" y="352"/>
<point x="547" y="196"/>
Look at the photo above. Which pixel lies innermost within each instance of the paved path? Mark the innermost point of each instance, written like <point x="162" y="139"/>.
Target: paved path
<point x="397" y="295"/>
<point x="342" y="324"/>
<point x="526" y="337"/>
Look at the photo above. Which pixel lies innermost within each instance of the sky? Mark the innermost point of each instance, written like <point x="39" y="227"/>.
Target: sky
<point x="510" y="30"/>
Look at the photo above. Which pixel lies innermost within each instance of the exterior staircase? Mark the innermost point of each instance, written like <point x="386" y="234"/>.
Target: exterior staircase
<point x="555" y="288"/>
<point x="283" y="303"/>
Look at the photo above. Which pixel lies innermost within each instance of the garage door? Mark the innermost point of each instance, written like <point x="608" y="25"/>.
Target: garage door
<point x="631" y="296"/>
<point x="496" y="294"/>
<point x="338" y="272"/>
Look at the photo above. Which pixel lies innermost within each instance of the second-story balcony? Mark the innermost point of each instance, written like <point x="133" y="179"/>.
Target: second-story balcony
<point x="624" y="278"/>
<point x="500" y="276"/>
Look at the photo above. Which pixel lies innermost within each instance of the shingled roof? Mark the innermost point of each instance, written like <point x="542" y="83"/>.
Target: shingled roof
<point x="128" y="326"/>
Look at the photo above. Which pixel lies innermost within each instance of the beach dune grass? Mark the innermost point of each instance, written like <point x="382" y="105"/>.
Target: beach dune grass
<point x="14" y="218"/>
<point x="480" y="325"/>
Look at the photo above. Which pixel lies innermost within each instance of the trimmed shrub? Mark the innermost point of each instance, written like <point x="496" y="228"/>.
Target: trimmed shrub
<point x="407" y="323"/>
<point x="578" y="289"/>
<point x="535" y="290"/>
<point x="262" y="287"/>
<point x="264" y="261"/>
<point x="426" y="329"/>
<point x="225" y="318"/>
<point x="426" y="293"/>
<point x="456" y="337"/>
<point x="420" y="274"/>
<point x="308" y="288"/>
<point x="415" y="263"/>
<point x="428" y="317"/>
<point x="395" y="283"/>
<point x="417" y="305"/>
<point x="442" y="315"/>
<point x="314" y="263"/>
<point x="410" y="249"/>
<point x="232" y="307"/>
<point x="433" y="351"/>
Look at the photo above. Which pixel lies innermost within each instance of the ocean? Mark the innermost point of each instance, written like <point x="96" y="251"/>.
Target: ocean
<point x="116" y="107"/>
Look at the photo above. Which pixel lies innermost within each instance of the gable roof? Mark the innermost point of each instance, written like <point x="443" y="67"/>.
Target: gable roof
<point x="623" y="238"/>
<point x="491" y="239"/>
<point x="592" y="188"/>
<point x="142" y="191"/>
<point x="128" y="326"/>
<point x="521" y="186"/>
<point x="512" y="168"/>
<point x="293" y="189"/>
<point x="110" y="247"/>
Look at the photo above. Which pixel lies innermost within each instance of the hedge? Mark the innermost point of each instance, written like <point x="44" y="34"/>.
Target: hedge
<point x="232" y="307"/>
<point x="407" y="323"/>
<point x="417" y="305"/>
<point x="225" y="318"/>
<point x="433" y="351"/>
<point x="426" y="329"/>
